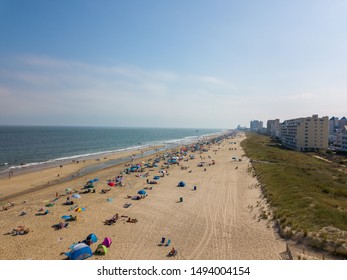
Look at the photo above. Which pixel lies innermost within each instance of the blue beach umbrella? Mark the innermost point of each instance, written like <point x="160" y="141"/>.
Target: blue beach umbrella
<point x="181" y="184"/>
<point x="142" y="192"/>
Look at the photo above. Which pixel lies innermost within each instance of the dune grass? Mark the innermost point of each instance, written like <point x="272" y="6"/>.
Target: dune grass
<point x="306" y="193"/>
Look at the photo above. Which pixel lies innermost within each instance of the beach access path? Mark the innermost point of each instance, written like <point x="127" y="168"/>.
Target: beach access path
<point x="218" y="220"/>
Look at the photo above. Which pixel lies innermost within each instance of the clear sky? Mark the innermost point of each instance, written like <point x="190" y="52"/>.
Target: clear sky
<point x="161" y="63"/>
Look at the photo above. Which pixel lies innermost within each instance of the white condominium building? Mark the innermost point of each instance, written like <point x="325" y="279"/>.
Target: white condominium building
<point x="305" y="134"/>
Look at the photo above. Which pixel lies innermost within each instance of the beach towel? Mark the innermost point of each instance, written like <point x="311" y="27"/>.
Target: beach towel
<point x="66" y="217"/>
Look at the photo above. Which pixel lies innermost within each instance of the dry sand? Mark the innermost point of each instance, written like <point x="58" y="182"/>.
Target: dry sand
<point x="216" y="221"/>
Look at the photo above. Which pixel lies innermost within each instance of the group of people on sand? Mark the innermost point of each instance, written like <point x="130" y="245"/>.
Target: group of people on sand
<point x="152" y="182"/>
<point x="6" y="207"/>
<point x="116" y="217"/>
<point x="113" y="220"/>
<point x="136" y="197"/>
<point x="20" y="230"/>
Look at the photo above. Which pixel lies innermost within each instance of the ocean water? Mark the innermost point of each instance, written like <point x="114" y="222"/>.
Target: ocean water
<point x="34" y="145"/>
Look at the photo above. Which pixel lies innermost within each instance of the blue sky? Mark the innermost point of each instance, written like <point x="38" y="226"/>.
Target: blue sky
<point x="175" y="63"/>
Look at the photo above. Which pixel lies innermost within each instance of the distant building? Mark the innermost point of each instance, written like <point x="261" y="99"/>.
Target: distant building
<point x="344" y="139"/>
<point x="342" y="122"/>
<point x="256" y="126"/>
<point x="305" y="134"/>
<point x="333" y="127"/>
<point x="336" y="131"/>
<point x="273" y="128"/>
<point x="243" y="128"/>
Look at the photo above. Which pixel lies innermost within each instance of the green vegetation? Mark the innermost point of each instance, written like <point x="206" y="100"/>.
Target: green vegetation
<point x="306" y="193"/>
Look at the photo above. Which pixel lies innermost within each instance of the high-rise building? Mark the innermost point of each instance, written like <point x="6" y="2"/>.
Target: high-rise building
<point x="344" y="139"/>
<point x="256" y="126"/>
<point x="305" y="134"/>
<point x="273" y="128"/>
<point x="342" y="122"/>
<point x="333" y="127"/>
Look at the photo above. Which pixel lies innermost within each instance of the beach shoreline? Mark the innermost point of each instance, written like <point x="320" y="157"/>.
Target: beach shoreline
<point x="209" y="218"/>
<point x="70" y="169"/>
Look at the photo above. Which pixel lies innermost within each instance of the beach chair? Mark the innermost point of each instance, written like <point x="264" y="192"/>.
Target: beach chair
<point x="162" y="241"/>
<point x="168" y="243"/>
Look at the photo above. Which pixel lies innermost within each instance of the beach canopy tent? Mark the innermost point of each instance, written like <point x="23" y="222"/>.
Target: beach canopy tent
<point x="80" y="251"/>
<point x="76" y="195"/>
<point x="107" y="242"/>
<point x="181" y="184"/>
<point x="92" y="237"/>
<point x="135" y="168"/>
<point x="101" y="250"/>
<point x="111" y="184"/>
<point x="142" y="192"/>
<point x="93" y="180"/>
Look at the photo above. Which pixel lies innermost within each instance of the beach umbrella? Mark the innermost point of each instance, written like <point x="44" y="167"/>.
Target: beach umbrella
<point x="181" y="184"/>
<point x="76" y="195"/>
<point x="142" y="192"/>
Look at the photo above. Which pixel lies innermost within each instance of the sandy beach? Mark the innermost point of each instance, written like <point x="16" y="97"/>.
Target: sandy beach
<point x="218" y="220"/>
